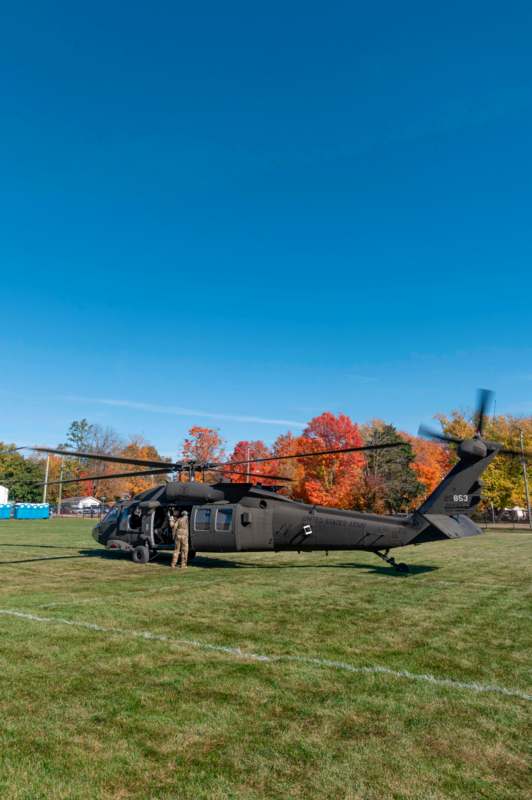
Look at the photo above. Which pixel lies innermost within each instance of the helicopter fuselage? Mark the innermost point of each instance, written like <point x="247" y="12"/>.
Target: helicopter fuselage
<point x="242" y="517"/>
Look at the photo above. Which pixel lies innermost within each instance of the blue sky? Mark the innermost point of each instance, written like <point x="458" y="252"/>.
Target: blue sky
<point x="260" y="212"/>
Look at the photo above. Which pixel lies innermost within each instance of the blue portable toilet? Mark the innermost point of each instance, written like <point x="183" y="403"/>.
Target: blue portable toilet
<point x="32" y="511"/>
<point x="5" y="510"/>
<point x="42" y="510"/>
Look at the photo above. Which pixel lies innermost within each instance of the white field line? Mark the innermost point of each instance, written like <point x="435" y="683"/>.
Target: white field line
<point x="238" y="653"/>
<point x="73" y="602"/>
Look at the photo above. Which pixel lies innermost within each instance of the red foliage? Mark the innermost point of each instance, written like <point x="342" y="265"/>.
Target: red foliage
<point x="288" y="445"/>
<point x="203" y="444"/>
<point x="244" y="473"/>
<point x="432" y="462"/>
<point x="331" y="480"/>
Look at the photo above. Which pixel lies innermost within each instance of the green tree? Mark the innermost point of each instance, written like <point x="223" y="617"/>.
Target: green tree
<point x="85" y="437"/>
<point x="390" y="483"/>
<point x="80" y="435"/>
<point x="20" y="475"/>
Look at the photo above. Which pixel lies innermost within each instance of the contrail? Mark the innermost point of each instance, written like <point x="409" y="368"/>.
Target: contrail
<point x="178" y="411"/>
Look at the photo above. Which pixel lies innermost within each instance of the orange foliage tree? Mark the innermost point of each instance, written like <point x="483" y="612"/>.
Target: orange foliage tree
<point x="249" y="450"/>
<point x="330" y="480"/>
<point x="432" y="462"/>
<point x="288" y="445"/>
<point x="203" y="445"/>
<point x="138" y="448"/>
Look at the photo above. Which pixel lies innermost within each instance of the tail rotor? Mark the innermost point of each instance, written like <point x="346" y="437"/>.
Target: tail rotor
<point x="476" y="444"/>
<point x="484" y="403"/>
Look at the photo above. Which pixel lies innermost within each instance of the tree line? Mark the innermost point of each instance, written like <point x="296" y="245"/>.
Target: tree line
<point x="393" y="480"/>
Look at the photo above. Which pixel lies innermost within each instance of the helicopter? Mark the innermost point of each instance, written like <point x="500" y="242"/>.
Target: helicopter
<point x="229" y="517"/>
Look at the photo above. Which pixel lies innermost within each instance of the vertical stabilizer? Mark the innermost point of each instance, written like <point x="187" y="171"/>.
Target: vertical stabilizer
<point x="459" y="492"/>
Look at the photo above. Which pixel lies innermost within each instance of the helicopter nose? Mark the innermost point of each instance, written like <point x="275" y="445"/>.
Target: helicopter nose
<point x="96" y="534"/>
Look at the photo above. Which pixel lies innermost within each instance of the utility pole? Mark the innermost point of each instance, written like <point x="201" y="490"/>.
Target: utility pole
<point x="525" y="476"/>
<point x="60" y="495"/>
<point x="45" y="487"/>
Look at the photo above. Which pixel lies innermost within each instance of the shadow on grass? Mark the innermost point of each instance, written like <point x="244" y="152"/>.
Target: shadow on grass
<point x="207" y="562"/>
<point x="79" y="555"/>
<point x="37" y="546"/>
<point x="35" y="560"/>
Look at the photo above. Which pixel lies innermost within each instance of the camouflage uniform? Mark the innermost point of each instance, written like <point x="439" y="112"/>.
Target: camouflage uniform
<point x="180" y="533"/>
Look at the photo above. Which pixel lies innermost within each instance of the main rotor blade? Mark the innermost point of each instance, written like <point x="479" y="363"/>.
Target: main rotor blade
<point x="140" y="462"/>
<point x="260" y="475"/>
<point x="308" y="455"/>
<point x="484" y="402"/>
<point x="103" y="476"/>
<point x="430" y="433"/>
<point x="527" y="455"/>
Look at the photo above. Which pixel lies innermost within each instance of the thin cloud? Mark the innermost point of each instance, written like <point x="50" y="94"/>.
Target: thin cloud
<point x="178" y="411"/>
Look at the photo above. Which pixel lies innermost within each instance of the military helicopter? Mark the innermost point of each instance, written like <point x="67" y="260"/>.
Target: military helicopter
<point x="227" y="517"/>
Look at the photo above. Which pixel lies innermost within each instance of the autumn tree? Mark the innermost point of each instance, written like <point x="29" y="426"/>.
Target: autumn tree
<point x="203" y="445"/>
<point x="293" y="468"/>
<point x="137" y="447"/>
<point x="503" y="482"/>
<point x="249" y="450"/>
<point x="432" y="462"/>
<point x="330" y="480"/>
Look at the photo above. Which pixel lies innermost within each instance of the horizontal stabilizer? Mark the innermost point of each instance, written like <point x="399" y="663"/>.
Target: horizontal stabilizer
<point x="453" y="527"/>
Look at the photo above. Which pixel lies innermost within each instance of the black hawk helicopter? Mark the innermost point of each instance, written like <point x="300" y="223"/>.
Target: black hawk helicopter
<point x="234" y="517"/>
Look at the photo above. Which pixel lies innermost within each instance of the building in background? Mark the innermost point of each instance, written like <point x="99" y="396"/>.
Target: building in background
<point x="77" y="505"/>
<point x="4" y="495"/>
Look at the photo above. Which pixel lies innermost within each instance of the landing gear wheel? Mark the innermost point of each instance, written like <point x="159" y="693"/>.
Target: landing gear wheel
<point x="141" y="554"/>
<point x="401" y="567"/>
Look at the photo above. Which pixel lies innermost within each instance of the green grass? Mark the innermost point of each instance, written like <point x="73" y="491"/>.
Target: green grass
<point x="91" y="714"/>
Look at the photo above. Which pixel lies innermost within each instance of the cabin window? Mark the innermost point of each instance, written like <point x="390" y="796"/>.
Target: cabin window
<point x="111" y="515"/>
<point x="224" y="519"/>
<point x="202" y="521"/>
<point x="123" y="522"/>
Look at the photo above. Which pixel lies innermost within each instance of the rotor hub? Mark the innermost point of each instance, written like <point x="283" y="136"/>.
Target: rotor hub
<point x="473" y="448"/>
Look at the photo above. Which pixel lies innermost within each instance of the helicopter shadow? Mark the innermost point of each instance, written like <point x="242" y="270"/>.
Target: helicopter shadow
<point x="78" y="554"/>
<point x="209" y="562"/>
<point x="206" y="562"/>
<point x="35" y="560"/>
<point x="38" y="546"/>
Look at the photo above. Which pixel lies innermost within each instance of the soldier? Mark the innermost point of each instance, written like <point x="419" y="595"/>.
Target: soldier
<point x="180" y="534"/>
<point x="171" y="520"/>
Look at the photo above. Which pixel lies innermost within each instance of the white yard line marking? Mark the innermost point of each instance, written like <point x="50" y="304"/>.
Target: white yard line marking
<point x="236" y="651"/>
<point x="73" y="602"/>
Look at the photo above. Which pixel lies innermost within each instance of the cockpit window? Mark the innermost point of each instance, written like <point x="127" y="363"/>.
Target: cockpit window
<point x="202" y="520"/>
<point x="224" y="519"/>
<point x="111" y="515"/>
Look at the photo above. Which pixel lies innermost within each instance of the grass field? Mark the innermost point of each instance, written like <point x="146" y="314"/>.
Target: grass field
<point x="105" y="712"/>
